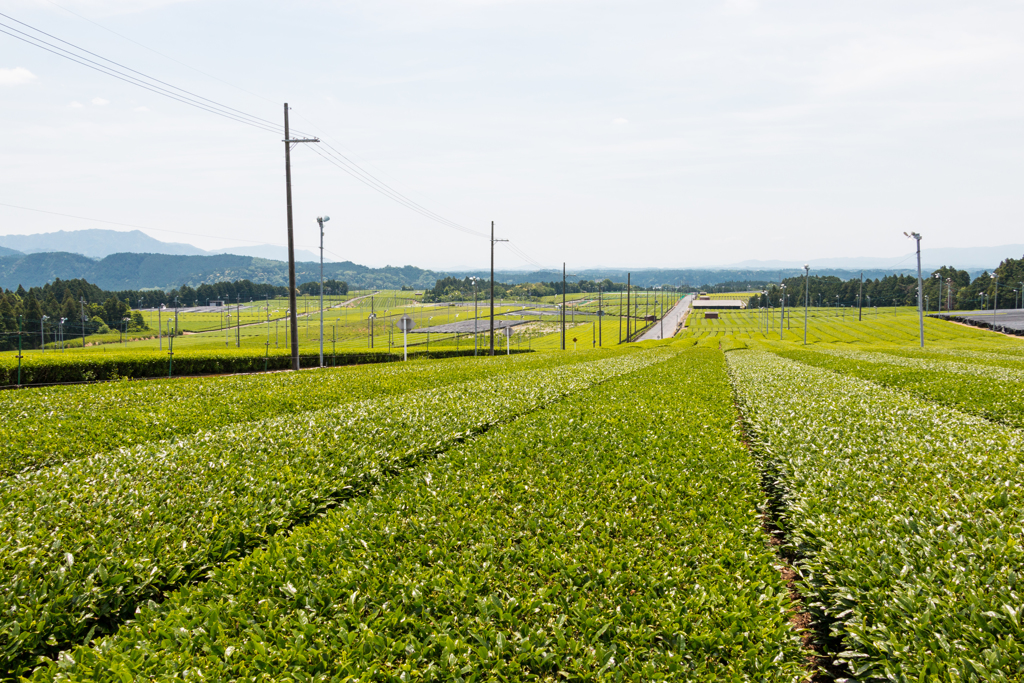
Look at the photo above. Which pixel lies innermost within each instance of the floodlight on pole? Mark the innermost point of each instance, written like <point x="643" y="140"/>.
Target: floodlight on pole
<point x="321" y="220"/>
<point x="920" y="285"/>
<point x="807" y="295"/>
<point x="995" y="307"/>
<point x="782" y="310"/>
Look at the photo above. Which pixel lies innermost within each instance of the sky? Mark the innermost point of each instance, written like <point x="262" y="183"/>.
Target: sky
<point x="598" y="133"/>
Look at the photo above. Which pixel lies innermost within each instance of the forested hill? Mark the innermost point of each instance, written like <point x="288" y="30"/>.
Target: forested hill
<point x="145" y="271"/>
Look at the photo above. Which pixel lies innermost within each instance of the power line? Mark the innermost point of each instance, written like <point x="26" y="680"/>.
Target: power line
<point x="238" y="112"/>
<point x="371" y="181"/>
<point x="96" y="66"/>
<point x="157" y="52"/>
<point x="155" y="85"/>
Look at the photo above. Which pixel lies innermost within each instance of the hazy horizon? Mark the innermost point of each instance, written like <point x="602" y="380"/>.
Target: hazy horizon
<point x="653" y="134"/>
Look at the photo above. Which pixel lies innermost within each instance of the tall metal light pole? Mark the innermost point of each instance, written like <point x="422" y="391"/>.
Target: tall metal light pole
<point x="475" y="279"/>
<point x="321" y="220"/>
<point x="938" y="277"/>
<point x="807" y="295"/>
<point x="782" y="310"/>
<point x="492" y="285"/>
<point x="563" y="305"/>
<point x="995" y="307"/>
<point x="288" y="142"/>
<point x="42" y="331"/>
<point x="860" y="298"/>
<point x="920" y="285"/>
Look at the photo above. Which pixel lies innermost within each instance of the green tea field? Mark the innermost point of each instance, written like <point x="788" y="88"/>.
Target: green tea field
<point x="725" y="505"/>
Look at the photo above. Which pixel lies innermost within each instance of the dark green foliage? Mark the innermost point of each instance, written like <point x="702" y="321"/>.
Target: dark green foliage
<point x="55" y="368"/>
<point x="600" y="539"/>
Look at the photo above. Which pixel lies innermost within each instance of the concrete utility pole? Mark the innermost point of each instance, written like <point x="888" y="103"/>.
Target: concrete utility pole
<point x="82" y="301"/>
<point x="920" y="285"/>
<point x="563" y="305"/>
<point x="492" y="285"/>
<point x="807" y="296"/>
<point x="288" y="142"/>
<point x="321" y="220"/>
<point x="629" y="286"/>
<point x="860" y="298"/>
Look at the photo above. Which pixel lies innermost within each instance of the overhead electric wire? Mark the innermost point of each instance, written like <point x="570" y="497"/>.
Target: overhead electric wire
<point x="188" y="95"/>
<point x="157" y="86"/>
<point x="384" y="189"/>
<point x="157" y="52"/>
<point x="390" y="191"/>
<point x="525" y="255"/>
<point x="129" y="79"/>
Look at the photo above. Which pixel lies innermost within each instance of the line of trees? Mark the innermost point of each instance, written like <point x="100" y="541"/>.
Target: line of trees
<point x="454" y="289"/>
<point x="957" y="289"/>
<point x="86" y="309"/>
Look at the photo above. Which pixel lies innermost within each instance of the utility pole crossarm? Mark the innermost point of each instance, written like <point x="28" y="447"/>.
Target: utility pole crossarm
<point x="289" y="142"/>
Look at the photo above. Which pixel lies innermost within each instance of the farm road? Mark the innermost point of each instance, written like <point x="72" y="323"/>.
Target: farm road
<point x="669" y="322"/>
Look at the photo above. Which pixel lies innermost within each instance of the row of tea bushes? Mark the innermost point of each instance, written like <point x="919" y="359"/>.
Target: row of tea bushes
<point x="39" y="369"/>
<point x="86" y="542"/>
<point x="614" y="536"/>
<point x="56" y="424"/>
<point x="993" y="392"/>
<point x="906" y="517"/>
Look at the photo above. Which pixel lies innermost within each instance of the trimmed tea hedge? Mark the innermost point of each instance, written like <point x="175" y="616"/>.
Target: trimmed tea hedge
<point x="86" y="542"/>
<point x="51" y="425"/>
<point x="55" y="367"/>
<point x="604" y="538"/>
<point x="906" y="517"/>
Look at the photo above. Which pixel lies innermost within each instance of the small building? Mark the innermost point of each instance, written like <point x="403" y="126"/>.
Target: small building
<point x="719" y="304"/>
<point x="215" y="302"/>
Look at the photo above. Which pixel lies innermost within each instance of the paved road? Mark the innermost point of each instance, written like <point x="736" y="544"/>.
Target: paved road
<point x="669" y="322"/>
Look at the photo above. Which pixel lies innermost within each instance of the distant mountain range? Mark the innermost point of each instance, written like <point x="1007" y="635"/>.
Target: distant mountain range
<point x="167" y="271"/>
<point x="97" y="244"/>
<point x="117" y="260"/>
<point x="964" y="258"/>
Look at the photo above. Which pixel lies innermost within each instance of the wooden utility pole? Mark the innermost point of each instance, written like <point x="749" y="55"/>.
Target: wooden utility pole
<point x="294" y="317"/>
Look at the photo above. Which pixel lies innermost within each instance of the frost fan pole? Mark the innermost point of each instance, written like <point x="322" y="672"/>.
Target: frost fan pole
<point x="294" y="317"/>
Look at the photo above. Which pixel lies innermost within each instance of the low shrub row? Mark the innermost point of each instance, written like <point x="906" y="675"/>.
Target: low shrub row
<point x="90" y="366"/>
<point x="605" y="538"/>
<point x="905" y="516"/>
<point x="51" y="425"/>
<point x="990" y="391"/>
<point x="85" y="542"/>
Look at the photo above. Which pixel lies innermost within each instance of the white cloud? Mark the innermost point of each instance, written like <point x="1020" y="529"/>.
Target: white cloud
<point x="141" y="109"/>
<point x="16" y="76"/>
<point x="99" y="101"/>
<point x="76" y="105"/>
<point x="620" y="122"/>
